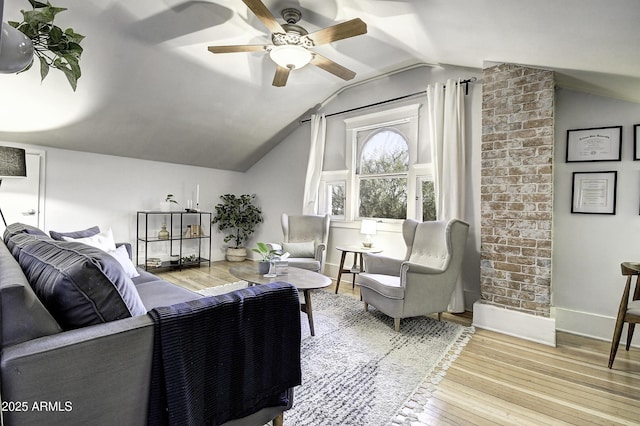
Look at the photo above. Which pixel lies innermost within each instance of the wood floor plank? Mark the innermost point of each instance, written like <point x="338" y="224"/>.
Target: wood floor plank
<point x="551" y="383"/>
<point x="569" y="370"/>
<point x="503" y="380"/>
<point x="454" y="411"/>
<point x="486" y="406"/>
<point x="581" y="396"/>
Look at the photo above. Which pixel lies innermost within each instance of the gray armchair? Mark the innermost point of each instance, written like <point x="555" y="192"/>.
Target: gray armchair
<point x="423" y="282"/>
<point x="305" y="239"/>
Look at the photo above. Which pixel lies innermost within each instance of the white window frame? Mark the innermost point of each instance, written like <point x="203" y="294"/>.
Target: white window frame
<point x="338" y="177"/>
<point x="409" y="114"/>
<point x="423" y="172"/>
<point x="359" y="177"/>
<point x="417" y="137"/>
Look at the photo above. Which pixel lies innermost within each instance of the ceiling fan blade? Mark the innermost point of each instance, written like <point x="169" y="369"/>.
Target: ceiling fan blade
<point x="332" y="67"/>
<point x="239" y="48"/>
<point x="267" y="18"/>
<point x="282" y="74"/>
<point x="341" y="31"/>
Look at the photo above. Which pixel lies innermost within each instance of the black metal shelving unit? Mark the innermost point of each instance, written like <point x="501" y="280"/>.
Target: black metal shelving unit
<point x="177" y="224"/>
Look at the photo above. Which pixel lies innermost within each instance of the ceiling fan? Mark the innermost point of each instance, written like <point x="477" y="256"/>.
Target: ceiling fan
<point x="292" y="44"/>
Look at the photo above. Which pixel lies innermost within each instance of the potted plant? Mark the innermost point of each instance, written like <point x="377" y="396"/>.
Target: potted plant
<point x="238" y="217"/>
<point x="54" y="47"/>
<point x="268" y="254"/>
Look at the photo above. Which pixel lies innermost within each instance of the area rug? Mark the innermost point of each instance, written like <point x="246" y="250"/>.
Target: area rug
<point x="358" y="371"/>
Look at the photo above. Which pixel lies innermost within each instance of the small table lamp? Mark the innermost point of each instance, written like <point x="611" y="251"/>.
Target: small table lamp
<point x="12" y="164"/>
<point x="368" y="228"/>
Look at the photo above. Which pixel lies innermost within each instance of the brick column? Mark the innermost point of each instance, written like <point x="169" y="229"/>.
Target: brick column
<point x="517" y="188"/>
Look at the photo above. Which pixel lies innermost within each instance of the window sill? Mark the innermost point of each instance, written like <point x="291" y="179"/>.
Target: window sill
<point x="381" y="226"/>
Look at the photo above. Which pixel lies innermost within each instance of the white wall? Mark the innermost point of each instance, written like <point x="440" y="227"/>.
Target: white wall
<point x="278" y="181"/>
<point x="84" y="189"/>
<point x="588" y="249"/>
<point x="284" y="167"/>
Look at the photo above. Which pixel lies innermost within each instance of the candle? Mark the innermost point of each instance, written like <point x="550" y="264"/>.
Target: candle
<point x="197" y="194"/>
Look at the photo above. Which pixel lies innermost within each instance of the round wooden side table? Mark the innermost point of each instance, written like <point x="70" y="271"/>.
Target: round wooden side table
<point x="358" y="265"/>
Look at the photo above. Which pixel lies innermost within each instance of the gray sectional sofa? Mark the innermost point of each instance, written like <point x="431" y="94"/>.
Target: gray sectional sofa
<point x="78" y="342"/>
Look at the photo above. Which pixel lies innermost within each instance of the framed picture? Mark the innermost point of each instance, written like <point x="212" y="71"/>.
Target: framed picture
<point x="636" y="141"/>
<point x="597" y="144"/>
<point x="594" y="192"/>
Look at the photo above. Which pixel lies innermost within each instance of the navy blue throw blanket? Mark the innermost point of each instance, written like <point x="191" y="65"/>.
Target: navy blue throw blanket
<point x="224" y="357"/>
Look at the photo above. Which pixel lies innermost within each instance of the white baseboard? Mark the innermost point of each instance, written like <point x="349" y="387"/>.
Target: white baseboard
<point x="515" y="323"/>
<point x="589" y="325"/>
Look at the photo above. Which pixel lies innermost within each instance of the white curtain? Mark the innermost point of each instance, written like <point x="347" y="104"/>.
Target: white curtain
<point x="314" y="167"/>
<point x="446" y="130"/>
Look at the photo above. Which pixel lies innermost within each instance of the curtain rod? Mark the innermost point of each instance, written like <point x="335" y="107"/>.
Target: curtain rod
<point x="399" y="98"/>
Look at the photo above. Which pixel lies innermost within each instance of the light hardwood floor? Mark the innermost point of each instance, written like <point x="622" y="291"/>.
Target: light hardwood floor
<point x="502" y="380"/>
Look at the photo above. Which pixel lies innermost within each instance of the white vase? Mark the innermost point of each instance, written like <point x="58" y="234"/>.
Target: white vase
<point x="165" y="206"/>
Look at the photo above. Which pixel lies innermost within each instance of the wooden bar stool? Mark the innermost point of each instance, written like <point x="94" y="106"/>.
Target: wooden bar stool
<point x="628" y="311"/>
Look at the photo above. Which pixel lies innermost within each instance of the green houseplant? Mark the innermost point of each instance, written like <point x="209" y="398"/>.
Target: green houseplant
<point x="238" y="217"/>
<point x="268" y="254"/>
<point x="53" y="47"/>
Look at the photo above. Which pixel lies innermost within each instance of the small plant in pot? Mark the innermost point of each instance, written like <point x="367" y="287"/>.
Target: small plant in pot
<point x="238" y="217"/>
<point x="268" y="254"/>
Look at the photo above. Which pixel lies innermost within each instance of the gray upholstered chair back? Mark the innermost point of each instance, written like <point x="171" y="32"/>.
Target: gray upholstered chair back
<point x="409" y="233"/>
<point x="431" y="245"/>
<point x="299" y="228"/>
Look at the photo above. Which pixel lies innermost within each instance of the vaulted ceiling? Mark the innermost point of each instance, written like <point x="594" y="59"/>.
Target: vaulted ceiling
<point x="151" y="90"/>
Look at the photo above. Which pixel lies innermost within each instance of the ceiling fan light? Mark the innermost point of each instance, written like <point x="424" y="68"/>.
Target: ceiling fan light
<point x="291" y="56"/>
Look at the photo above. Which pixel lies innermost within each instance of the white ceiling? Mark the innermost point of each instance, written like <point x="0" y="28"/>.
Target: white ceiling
<point x="151" y="90"/>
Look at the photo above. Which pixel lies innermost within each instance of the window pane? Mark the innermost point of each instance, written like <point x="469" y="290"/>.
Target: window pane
<point x="385" y="152"/>
<point x="336" y="199"/>
<point x="384" y="198"/>
<point x="428" y="201"/>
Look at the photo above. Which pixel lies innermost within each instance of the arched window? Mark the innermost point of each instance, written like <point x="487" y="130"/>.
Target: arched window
<point x="382" y="171"/>
<point x="388" y="174"/>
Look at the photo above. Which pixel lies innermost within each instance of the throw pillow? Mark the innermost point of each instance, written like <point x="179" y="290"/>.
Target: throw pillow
<point x="21" y="228"/>
<point x="15" y="243"/>
<point x="301" y="249"/>
<point x="78" y="284"/>
<point x="103" y="241"/>
<point x="122" y="256"/>
<point x="89" y="232"/>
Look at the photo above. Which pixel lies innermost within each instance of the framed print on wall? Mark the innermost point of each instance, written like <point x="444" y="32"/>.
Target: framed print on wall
<point x="636" y="141"/>
<point x="597" y="144"/>
<point x="594" y="192"/>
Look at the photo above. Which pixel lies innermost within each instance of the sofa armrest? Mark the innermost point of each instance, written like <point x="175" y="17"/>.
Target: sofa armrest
<point x="378" y="264"/>
<point x="96" y="375"/>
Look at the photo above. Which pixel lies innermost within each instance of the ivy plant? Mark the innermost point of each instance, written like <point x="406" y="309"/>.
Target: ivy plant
<point x="53" y="47"/>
